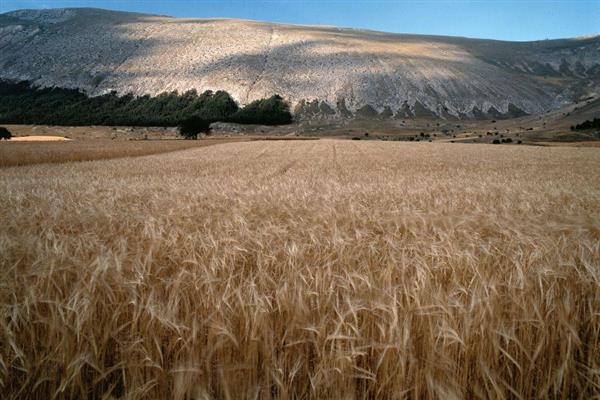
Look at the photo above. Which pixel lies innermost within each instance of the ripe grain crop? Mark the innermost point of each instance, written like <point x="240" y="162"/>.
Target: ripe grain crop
<point x="323" y="269"/>
<point x="28" y="153"/>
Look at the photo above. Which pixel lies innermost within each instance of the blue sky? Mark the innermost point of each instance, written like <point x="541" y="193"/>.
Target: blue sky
<point x="495" y="19"/>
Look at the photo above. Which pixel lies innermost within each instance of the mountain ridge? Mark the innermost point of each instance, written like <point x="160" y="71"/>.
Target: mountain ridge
<point x="325" y="72"/>
<point x="324" y="26"/>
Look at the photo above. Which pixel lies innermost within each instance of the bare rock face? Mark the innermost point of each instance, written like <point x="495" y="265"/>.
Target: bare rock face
<point x="322" y="72"/>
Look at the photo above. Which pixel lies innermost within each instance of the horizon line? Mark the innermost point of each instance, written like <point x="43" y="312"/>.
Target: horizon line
<point x="588" y="36"/>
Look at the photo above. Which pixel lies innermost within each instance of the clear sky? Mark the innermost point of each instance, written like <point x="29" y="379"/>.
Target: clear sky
<point x="495" y="19"/>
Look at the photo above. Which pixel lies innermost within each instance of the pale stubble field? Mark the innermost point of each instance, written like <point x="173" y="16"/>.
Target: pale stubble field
<point x="318" y="269"/>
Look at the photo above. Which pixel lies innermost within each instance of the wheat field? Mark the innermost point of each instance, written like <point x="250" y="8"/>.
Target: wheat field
<point x="28" y="153"/>
<point x="304" y="270"/>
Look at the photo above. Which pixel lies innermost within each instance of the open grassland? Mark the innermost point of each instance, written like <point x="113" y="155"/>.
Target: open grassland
<point x="27" y="153"/>
<point x="321" y="269"/>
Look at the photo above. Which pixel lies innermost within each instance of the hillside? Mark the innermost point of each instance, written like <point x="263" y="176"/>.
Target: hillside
<point x="322" y="71"/>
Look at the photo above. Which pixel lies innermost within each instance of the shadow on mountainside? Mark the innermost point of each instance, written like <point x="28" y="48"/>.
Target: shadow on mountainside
<point x="101" y="50"/>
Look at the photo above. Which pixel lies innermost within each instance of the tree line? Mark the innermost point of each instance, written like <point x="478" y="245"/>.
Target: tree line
<point x="22" y="103"/>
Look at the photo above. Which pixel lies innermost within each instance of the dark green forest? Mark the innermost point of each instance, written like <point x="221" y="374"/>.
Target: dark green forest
<point x="22" y="103"/>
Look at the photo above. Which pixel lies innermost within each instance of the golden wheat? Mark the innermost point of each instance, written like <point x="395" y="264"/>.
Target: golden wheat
<point x="325" y="269"/>
<point x="28" y="153"/>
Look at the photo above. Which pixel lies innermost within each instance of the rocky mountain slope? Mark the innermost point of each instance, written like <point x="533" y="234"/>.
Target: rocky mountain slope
<point x="322" y="71"/>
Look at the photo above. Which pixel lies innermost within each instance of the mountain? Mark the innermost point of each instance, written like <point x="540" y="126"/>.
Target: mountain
<point x="321" y="71"/>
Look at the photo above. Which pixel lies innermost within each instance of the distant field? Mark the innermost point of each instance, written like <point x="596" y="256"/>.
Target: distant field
<point x="304" y="269"/>
<point x="27" y="153"/>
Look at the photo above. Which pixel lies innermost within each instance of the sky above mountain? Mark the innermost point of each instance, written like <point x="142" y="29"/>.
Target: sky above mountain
<point x="494" y="19"/>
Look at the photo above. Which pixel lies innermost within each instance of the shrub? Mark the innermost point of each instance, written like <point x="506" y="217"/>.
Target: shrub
<point x="5" y="133"/>
<point x="191" y="127"/>
<point x="588" y="124"/>
<point x="496" y="141"/>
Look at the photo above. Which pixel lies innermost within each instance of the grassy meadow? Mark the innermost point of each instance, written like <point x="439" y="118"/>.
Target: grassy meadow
<point x="301" y="270"/>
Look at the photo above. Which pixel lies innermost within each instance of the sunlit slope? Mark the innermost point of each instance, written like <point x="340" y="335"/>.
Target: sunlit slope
<point x="345" y="70"/>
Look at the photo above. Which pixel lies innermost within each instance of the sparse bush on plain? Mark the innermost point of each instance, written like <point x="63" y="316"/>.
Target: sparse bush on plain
<point x="5" y="133"/>
<point x="587" y="124"/>
<point x="191" y="127"/>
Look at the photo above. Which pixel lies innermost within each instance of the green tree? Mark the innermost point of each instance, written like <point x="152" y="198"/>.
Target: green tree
<point x="271" y="111"/>
<point x="191" y="127"/>
<point x="22" y="103"/>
